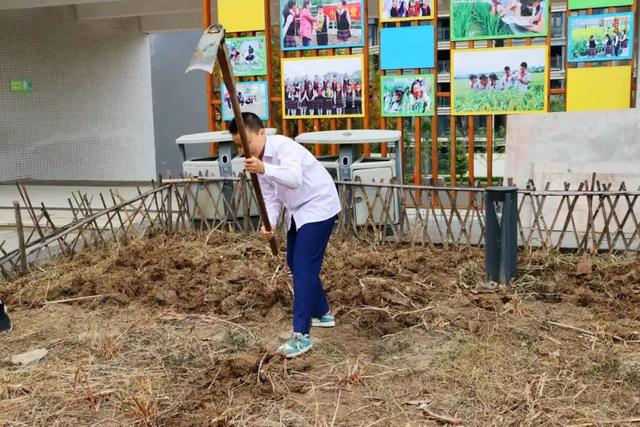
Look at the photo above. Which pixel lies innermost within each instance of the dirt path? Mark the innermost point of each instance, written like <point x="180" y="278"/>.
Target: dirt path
<point x="182" y="332"/>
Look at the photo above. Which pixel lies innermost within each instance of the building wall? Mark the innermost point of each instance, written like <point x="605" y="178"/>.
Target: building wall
<point x="179" y="99"/>
<point x="569" y="148"/>
<point x="89" y="116"/>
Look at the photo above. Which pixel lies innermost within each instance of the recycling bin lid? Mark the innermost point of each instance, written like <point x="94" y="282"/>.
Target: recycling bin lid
<point x="211" y="137"/>
<point x="352" y="136"/>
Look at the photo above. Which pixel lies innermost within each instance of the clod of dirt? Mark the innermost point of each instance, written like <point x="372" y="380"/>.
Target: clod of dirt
<point x="167" y="296"/>
<point x="584" y="267"/>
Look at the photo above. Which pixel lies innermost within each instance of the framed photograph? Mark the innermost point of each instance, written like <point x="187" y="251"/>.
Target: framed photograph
<point x="606" y="37"/>
<point x="407" y="95"/>
<point x="252" y="96"/>
<point x="327" y="86"/>
<point x="498" y="19"/>
<point x="499" y="80"/>
<point x="321" y="24"/>
<point x="407" y="47"/>
<point x="248" y="56"/>
<point x="405" y="10"/>
<point x="597" y="4"/>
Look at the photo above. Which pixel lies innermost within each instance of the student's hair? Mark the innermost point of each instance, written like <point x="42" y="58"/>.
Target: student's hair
<point x="251" y="121"/>
<point x="305" y="3"/>
<point x="524" y="65"/>
<point x="507" y="68"/>
<point x="483" y="77"/>
<point x="414" y="83"/>
<point x="344" y="2"/>
<point x="472" y="76"/>
<point x="289" y="5"/>
<point x="493" y="76"/>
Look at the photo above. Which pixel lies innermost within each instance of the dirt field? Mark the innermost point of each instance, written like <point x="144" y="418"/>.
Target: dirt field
<point x="180" y="331"/>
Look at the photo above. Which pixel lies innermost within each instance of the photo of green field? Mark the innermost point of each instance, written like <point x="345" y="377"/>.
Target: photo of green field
<point x="602" y="37"/>
<point x="511" y="100"/>
<point x="248" y="55"/>
<point x="477" y="20"/>
<point x="506" y="94"/>
<point x="407" y="95"/>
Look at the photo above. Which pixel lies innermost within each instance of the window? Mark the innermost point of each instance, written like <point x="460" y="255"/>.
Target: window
<point x="557" y="57"/>
<point x="557" y="24"/>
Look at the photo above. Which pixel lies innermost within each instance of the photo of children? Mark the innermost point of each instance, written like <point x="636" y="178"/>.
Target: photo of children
<point x="407" y="95"/>
<point x="252" y="97"/>
<point x="498" y="19"/>
<point x="323" y="87"/>
<point x="405" y="10"/>
<point x="605" y="37"/>
<point x="320" y="24"/>
<point x="496" y="81"/>
<point x="247" y="56"/>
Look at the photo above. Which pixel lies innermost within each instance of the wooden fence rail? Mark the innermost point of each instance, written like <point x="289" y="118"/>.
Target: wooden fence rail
<point x="594" y="217"/>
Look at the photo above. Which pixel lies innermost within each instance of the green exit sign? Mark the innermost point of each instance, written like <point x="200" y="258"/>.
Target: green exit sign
<point x="21" y="86"/>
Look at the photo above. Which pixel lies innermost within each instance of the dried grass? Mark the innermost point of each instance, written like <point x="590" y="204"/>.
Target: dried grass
<point x="183" y="332"/>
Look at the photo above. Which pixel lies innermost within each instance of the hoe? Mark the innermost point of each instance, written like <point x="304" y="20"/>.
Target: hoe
<point x="212" y="47"/>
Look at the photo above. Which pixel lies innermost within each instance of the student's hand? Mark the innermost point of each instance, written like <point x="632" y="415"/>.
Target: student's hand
<point x="267" y="235"/>
<point x="254" y="165"/>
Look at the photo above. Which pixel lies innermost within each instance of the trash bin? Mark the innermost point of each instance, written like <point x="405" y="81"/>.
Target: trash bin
<point x="501" y="233"/>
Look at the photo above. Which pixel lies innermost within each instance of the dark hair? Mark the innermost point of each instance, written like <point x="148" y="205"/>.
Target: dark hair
<point x="251" y="123"/>
<point x="483" y="77"/>
<point x="472" y="76"/>
<point x="305" y="3"/>
<point x="493" y="76"/>
<point x="287" y="7"/>
<point x="507" y="68"/>
<point x="524" y="64"/>
<point x="344" y="2"/>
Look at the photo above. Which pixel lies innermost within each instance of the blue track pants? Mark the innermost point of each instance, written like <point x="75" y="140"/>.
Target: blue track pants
<point x="305" y="252"/>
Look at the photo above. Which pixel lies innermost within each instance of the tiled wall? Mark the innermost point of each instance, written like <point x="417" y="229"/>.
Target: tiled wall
<point x="90" y="115"/>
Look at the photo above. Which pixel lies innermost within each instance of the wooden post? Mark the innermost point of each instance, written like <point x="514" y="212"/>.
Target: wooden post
<point x="471" y="135"/>
<point x="227" y="76"/>
<point x="365" y="72"/>
<point x="206" y="23"/>
<point x="21" y="243"/>
<point x="435" y="152"/>
<point x="170" y="210"/>
<point x="268" y="51"/>
<point x="490" y="150"/>
<point x="417" y="164"/>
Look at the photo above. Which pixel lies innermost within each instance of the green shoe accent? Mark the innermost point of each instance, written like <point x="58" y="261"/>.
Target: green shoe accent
<point x="297" y="345"/>
<point x="326" y="321"/>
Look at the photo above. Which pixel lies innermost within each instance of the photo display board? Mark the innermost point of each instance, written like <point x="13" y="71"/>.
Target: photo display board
<point x="327" y="86"/>
<point x="499" y="80"/>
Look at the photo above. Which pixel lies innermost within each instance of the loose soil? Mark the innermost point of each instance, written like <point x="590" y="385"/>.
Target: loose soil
<point x="179" y="330"/>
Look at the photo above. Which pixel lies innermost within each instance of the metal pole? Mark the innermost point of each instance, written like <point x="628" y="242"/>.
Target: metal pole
<point x="501" y="239"/>
<point x="21" y="243"/>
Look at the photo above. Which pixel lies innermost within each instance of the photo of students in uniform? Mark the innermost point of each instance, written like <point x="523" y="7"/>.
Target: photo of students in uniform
<point x="498" y="19"/>
<point x="603" y="37"/>
<point x="498" y="80"/>
<point x="405" y="10"/>
<point x="407" y="95"/>
<point x="318" y="24"/>
<point x="252" y="96"/>
<point x="323" y="87"/>
<point x="248" y="55"/>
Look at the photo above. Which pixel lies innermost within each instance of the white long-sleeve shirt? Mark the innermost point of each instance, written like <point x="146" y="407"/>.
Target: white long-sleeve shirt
<point x="294" y="179"/>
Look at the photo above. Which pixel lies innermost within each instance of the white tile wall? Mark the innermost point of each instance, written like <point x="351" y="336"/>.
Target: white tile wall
<point x="90" y="116"/>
